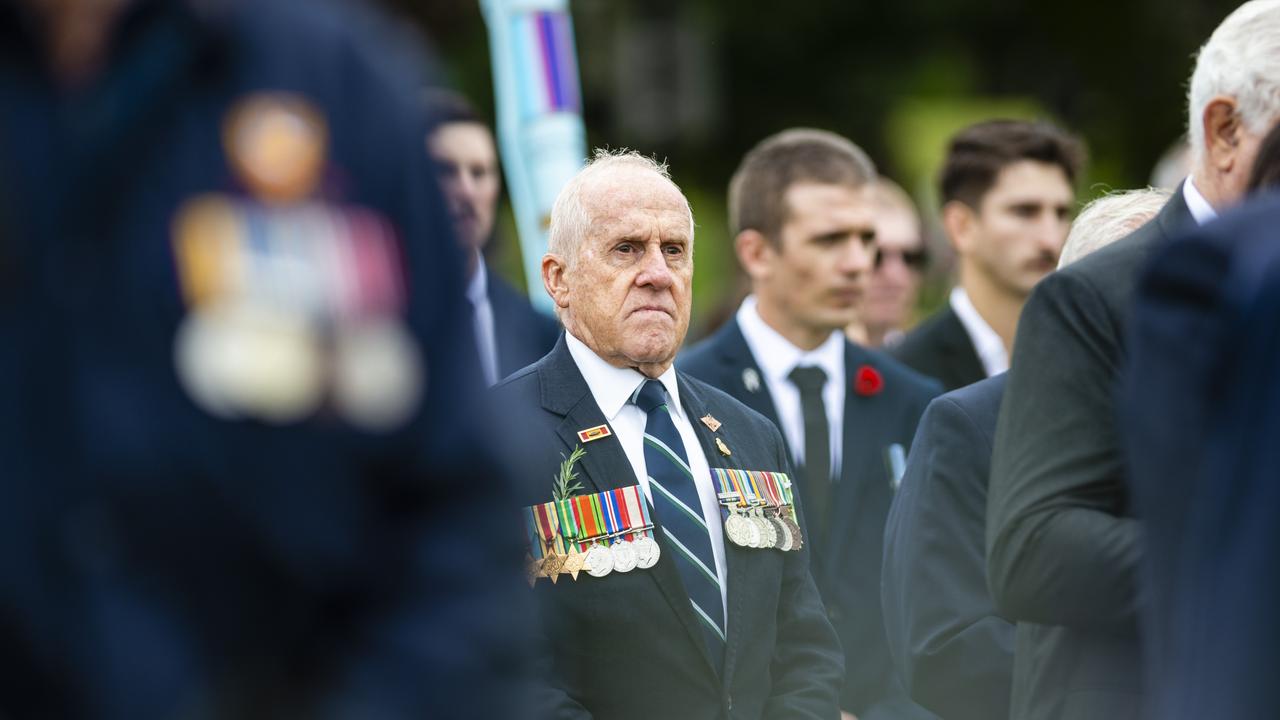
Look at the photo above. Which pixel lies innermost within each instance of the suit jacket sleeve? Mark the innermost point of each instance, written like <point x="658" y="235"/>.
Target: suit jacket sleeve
<point x="954" y="653"/>
<point x="1060" y="551"/>
<point x="808" y="665"/>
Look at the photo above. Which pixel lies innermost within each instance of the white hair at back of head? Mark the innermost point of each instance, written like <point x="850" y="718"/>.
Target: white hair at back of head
<point x="1110" y="218"/>
<point x="569" y="219"/>
<point x="1241" y="60"/>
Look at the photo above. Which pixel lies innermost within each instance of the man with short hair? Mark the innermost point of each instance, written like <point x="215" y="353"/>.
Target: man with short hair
<point x="803" y="216"/>
<point x="900" y="260"/>
<point x="1063" y="544"/>
<point x="509" y="332"/>
<point x="715" y="628"/>
<point x="1007" y="192"/>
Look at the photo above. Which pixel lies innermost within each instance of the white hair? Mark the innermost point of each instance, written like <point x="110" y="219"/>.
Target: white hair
<point x="569" y="219"/>
<point x="1110" y="218"/>
<point x="1241" y="60"/>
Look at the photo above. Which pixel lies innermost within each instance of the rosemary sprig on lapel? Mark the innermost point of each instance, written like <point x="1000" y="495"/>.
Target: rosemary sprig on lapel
<point x="567" y="481"/>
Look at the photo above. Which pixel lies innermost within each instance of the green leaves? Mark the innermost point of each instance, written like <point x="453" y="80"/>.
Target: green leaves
<point x="566" y="483"/>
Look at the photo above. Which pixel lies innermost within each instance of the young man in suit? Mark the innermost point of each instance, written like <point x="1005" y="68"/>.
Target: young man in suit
<point x="509" y="332"/>
<point x="953" y="650"/>
<point x="803" y="214"/>
<point x="714" y="629"/>
<point x="1007" y="198"/>
<point x="1063" y="544"/>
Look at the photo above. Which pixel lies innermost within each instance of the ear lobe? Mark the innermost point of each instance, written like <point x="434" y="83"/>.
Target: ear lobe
<point x="754" y="253"/>
<point x="958" y="220"/>
<point x="553" y="271"/>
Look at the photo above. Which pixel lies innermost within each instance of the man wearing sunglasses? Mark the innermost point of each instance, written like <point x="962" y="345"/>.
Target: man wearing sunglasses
<point x="1007" y="194"/>
<point x="899" y="263"/>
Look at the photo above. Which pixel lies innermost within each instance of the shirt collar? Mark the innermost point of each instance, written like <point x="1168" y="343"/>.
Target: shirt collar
<point x="1200" y="208"/>
<point x="777" y="356"/>
<point x="986" y="341"/>
<point x="478" y="286"/>
<point x="612" y="387"/>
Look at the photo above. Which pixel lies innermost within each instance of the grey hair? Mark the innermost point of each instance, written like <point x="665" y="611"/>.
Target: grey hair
<point x="1110" y="218"/>
<point x="570" y="220"/>
<point x="1241" y="60"/>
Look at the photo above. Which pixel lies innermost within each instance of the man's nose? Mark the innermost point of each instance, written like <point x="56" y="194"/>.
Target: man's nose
<point x="857" y="257"/>
<point x="653" y="269"/>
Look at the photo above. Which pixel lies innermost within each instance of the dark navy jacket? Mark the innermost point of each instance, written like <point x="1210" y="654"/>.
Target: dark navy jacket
<point x="157" y="561"/>
<point x="847" y="564"/>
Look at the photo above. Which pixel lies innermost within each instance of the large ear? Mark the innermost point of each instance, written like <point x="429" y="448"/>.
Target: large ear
<point x="1222" y="130"/>
<point x="959" y="221"/>
<point x="755" y="253"/>
<point x="553" y="279"/>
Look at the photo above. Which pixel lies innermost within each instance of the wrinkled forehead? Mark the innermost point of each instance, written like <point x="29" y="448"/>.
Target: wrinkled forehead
<point x="627" y="200"/>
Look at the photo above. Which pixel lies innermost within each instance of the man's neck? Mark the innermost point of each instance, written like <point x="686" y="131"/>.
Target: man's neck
<point x="77" y="36"/>
<point x="998" y="307"/>
<point x="1212" y="188"/>
<point x="804" y="337"/>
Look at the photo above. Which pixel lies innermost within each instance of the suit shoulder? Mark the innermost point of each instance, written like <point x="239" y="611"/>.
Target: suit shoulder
<point x="922" y="340"/>
<point x="700" y="359"/>
<point x="519" y="384"/>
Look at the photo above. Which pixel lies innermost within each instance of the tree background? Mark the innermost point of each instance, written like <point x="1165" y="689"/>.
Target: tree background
<point x="698" y="82"/>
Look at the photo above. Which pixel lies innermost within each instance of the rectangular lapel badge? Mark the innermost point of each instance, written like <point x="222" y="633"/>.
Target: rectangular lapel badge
<point x="595" y="433"/>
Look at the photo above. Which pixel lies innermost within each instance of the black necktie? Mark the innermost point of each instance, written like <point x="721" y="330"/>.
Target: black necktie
<point x="817" y="444"/>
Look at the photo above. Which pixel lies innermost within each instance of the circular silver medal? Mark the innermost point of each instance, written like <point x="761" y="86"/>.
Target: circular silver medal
<point x="785" y="539"/>
<point x="798" y="537"/>
<point x="647" y="552"/>
<point x="624" y="556"/>
<point x="754" y="536"/>
<point x="735" y="528"/>
<point x="768" y="534"/>
<point x="599" y="561"/>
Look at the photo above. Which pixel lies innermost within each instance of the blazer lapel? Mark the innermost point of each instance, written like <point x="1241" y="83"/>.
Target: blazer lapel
<point x="740" y="366"/>
<point x="604" y="467"/>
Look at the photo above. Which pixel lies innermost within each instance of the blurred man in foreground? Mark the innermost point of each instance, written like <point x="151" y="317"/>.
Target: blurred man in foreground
<point x="243" y="475"/>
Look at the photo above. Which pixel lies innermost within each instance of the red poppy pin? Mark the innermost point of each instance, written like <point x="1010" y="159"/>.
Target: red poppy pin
<point x="868" y="381"/>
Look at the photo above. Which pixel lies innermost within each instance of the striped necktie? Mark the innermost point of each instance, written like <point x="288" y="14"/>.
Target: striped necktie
<point x="679" y="510"/>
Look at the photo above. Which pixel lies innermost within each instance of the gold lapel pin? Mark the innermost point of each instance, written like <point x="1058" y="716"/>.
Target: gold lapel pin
<point x="594" y="433"/>
<point x="710" y="422"/>
<point x="724" y="449"/>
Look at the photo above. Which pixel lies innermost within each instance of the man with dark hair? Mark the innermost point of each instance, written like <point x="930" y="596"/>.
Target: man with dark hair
<point x="509" y="332"/>
<point x="1007" y="194"/>
<point x="803" y="213"/>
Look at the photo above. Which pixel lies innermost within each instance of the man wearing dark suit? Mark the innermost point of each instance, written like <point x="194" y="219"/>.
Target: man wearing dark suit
<point x="1006" y="188"/>
<point x="953" y="651"/>
<point x="713" y="630"/>
<point x="802" y="210"/>
<point x="509" y="332"/>
<point x="1062" y="542"/>
<point x="1200" y="411"/>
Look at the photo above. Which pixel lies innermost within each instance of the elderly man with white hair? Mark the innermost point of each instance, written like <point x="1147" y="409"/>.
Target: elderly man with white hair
<point x="670" y="567"/>
<point x="1063" y="546"/>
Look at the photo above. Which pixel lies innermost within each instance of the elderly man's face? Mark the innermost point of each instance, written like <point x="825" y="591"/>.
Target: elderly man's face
<point x="628" y="293"/>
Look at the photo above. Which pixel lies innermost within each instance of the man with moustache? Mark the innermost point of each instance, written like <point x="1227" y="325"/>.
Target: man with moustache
<point x="1007" y="197"/>
<point x="1064" y="542"/>
<point x="803" y="214"/>
<point x="714" y="628"/>
<point x="509" y="332"/>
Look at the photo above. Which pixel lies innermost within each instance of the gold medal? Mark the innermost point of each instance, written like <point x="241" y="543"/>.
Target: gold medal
<point x="574" y="562"/>
<point x="277" y="143"/>
<point x="552" y="565"/>
<point x="532" y="569"/>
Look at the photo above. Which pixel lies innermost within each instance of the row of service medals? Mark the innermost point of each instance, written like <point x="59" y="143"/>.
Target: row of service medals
<point x="606" y="532"/>
<point x="759" y="509"/>
<point x="294" y="304"/>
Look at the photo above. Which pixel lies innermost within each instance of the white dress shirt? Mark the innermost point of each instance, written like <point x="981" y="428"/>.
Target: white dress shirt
<point x="777" y="357"/>
<point x="482" y="322"/>
<point x="612" y="388"/>
<point x="1200" y="208"/>
<point x="986" y="341"/>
